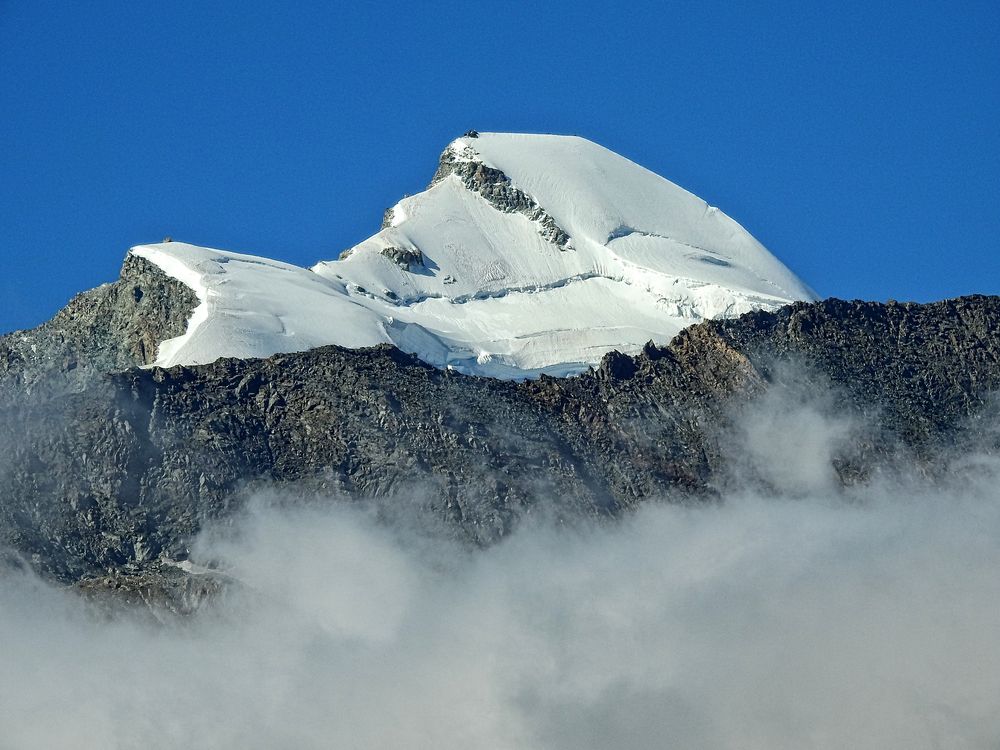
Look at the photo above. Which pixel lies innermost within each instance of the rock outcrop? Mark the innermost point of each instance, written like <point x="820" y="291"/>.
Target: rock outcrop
<point x="496" y="188"/>
<point x="113" y="327"/>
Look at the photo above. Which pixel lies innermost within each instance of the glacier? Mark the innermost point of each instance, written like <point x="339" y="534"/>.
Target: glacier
<point x="527" y="255"/>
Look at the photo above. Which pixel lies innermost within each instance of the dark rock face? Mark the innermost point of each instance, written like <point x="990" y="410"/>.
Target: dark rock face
<point x="922" y="368"/>
<point x="496" y="188"/>
<point x="105" y="482"/>
<point x="112" y="327"/>
<point x="406" y="258"/>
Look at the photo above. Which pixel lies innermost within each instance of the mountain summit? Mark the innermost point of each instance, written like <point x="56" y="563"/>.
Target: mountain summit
<point x="527" y="254"/>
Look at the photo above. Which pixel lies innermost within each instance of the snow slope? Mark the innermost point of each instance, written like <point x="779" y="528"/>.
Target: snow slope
<point x="528" y="254"/>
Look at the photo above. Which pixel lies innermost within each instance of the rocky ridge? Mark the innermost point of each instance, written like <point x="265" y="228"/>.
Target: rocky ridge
<point x="113" y="327"/>
<point x="109" y="470"/>
<point x="495" y="186"/>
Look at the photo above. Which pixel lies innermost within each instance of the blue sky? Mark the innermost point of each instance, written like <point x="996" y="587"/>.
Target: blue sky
<point x="859" y="142"/>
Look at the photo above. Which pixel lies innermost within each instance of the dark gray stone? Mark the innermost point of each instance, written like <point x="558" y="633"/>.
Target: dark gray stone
<point x="406" y="258"/>
<point x="112" y="327"/>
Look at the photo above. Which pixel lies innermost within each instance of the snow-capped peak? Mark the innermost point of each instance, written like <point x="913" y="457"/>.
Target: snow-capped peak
<point x="527" y="254"/>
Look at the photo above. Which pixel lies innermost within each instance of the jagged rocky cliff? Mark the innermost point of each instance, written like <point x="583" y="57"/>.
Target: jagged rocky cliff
<point x="113" y="327"/>
<point x="110" y="472"/>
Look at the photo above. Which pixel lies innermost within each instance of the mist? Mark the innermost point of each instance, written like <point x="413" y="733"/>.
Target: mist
<point x="791" y="613"/>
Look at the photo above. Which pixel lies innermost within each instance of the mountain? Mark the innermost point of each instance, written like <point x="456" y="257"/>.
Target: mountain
<point x="527" y="254"/>
<point x="159" y="402"/>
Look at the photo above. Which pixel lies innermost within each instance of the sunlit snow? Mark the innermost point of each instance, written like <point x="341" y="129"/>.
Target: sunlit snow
<point x="491" y="295"/>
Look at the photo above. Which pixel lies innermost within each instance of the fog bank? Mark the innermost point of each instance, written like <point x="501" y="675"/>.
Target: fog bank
<point x="801" y="616"/>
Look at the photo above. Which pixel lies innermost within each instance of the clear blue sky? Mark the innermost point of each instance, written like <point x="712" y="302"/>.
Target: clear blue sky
<point x="859" y="141"/>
